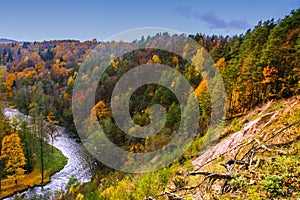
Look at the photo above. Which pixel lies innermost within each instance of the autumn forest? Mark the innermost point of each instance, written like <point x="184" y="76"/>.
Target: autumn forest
<point x="258" y="67"/>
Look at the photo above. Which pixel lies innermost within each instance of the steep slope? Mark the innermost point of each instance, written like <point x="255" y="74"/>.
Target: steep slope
<point x="259" y="161"/>
<point x="254" y="124"/>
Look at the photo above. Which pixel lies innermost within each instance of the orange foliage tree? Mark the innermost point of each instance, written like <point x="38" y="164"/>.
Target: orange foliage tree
<point x="101" y="111"/>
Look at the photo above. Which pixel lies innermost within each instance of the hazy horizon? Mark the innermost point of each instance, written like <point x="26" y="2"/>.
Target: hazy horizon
<point x="41" y="20"/>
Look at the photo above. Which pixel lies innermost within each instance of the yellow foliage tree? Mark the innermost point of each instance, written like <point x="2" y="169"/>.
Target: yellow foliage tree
<point x="10" y="79"/>
<point x="13" y="153"/>
<point x="101" y="111"/>
<point x="80" y="197"/>
<point x="156" y="59"/>
<point x="121" y="190"/>
<point x="202" y="87"/>
<point x="221" y="63"/>
<point x="115" y="65"/>
<point x="70" y="81"/>
<point x="270" y="74"/>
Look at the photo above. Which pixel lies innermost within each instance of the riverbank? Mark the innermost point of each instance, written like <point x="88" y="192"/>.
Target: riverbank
<point x="69" y="150"/>
<point x="54" y="162"/>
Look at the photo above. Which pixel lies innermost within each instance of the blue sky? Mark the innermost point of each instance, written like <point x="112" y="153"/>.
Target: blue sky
<point x="38" y="20"/>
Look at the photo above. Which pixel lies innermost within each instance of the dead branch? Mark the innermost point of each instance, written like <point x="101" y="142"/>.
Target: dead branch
<point x="211" y="160"/>
<point x="235" y="116"/>
<point x="241" y="146"/>
<point x="211" y="175"/>
<point x="284" y="143"/>
<point x="198" y="173"/>
<point x="280" y="131"/>
<point x="281" y="152"/>
<point x="173" y="196"/>
<point x="262" y="145"/>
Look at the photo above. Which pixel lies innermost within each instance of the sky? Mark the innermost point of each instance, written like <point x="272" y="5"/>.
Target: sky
<point x="39" y="20"/>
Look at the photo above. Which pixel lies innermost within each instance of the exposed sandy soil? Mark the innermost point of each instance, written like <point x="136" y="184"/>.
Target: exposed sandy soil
<point x="256" y="120"/>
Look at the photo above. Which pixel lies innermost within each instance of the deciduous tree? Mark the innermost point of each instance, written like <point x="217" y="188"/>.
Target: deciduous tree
<point x="12" y="151"/>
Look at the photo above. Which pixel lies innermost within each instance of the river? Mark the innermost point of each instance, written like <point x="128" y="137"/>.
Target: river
<point x="77" y="166"/>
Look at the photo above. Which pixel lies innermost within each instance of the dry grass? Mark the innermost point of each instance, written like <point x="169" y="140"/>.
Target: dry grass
<point x="9" y="187"/>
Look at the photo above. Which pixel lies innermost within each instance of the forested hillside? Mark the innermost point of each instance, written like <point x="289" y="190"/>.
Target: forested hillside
<point x="259" y="66"/>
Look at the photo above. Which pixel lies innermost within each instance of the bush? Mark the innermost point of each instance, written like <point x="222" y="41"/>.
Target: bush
<point x="273" y="184"/>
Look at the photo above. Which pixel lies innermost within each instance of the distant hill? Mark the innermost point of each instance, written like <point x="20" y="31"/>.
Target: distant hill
<point x="6" y="41"/>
